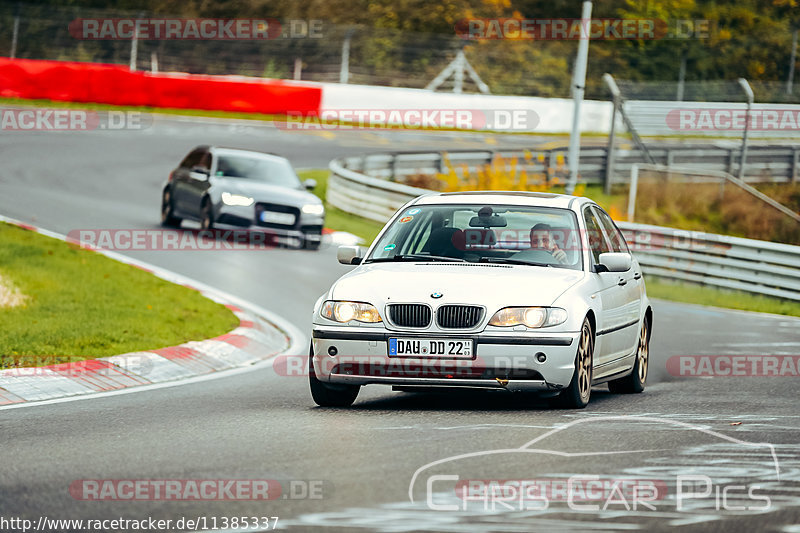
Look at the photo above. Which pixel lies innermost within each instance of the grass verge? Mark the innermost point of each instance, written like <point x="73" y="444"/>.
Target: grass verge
<point x="79" y="304"/>
<point x="698" y="294"/>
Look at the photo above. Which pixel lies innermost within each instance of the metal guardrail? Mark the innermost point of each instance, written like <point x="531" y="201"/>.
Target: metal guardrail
<point x="779" y="163"/>
<point x="748" y="265"/>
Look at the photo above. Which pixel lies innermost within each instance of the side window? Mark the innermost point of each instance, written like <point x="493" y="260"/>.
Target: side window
<point x="614" y="235"/>
<point x="594" y="233"/>
<point x="192" y="159"/>
<point x="205" y="162"/>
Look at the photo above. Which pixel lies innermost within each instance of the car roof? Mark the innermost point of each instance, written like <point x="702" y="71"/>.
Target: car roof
<point x="222" y="150"/>
<point x="532" y="199"/>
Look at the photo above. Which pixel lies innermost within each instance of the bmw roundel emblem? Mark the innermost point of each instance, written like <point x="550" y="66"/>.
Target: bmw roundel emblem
<point x="436" y="295"/>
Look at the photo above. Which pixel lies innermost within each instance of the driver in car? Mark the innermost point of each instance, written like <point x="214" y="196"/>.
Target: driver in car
<point x="542" y="241"/>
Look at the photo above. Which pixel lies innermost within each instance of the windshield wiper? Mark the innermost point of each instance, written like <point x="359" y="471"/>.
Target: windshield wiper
<point x="415" y="257"/>
<point x="510" y="261"/>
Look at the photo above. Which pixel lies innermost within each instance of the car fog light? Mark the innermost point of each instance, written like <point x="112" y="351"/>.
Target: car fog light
<point x="332" y="351"/>
<point x="541" y="357"/>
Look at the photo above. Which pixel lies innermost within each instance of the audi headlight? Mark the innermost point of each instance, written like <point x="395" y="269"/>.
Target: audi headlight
<point x="347" y="311"/>
<point x="313" y="209"/>
<point x="532" y="317"/>
<point x="236" y="199"/>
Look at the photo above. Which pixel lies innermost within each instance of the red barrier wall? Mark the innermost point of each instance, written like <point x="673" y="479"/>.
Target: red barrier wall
<point x="113" y="84"/>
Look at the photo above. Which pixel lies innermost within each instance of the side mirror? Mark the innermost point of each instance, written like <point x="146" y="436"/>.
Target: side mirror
<point x="310" y="184"/>
<point x="616" y="261"/>
<point x="199" y="173"/>
<point x="350" y="255"/>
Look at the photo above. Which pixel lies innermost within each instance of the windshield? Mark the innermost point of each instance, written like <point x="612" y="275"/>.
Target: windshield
<point x="538" y="236"/>
<point x="259" y="168"/>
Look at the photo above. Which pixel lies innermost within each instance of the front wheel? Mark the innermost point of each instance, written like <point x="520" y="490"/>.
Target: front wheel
<point x="168" y="217"/>
<point x="326" y="395"/>
<point x="577" y="394"/>
<point x="207" y="216"/>
<point x="634" y="382"/>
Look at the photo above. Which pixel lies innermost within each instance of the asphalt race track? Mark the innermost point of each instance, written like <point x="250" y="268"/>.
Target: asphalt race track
<point x="369" y="467"/>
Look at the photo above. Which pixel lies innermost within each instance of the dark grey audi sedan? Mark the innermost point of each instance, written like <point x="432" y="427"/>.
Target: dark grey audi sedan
<point x="243" y="188"/>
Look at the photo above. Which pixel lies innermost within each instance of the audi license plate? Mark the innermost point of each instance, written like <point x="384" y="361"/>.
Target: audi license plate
<point x="272" y="217"/>
<point x="450" y="348"/>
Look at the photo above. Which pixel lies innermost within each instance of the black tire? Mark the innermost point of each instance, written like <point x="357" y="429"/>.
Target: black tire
<point x="326" y="395"/>
<point x="206" y="216"/>
<point x="168" y="219"/>
<point x="579" y="391"/>
<point x="635" y="381"/>
<point x="309" y="244"/>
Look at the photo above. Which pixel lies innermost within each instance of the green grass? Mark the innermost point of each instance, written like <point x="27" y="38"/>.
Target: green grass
<point x="336" y="219"/>
<point x="698" y="294"/>
<point x="83" y="305"/>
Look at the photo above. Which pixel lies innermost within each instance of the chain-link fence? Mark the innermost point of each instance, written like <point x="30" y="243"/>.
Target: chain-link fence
<point x="312" y="50"/>
<point x="306" y="49"/>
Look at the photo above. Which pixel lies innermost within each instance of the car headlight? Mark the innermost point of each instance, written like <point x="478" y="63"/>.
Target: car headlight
<point x="313" y="209"/>
<point x="532" y="317"/>
<point x="236" y="199"/>
<point x="347" y="311"/>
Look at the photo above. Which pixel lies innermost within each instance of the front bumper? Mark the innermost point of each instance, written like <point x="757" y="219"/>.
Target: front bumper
<point x="506" y="362"/>
<point x="306" y="227"/>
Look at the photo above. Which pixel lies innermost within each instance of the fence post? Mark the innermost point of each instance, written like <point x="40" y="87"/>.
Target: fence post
<point x="14" y="36"/>
<point x="795" y="164"/>
<point x="610" y="152"/>
<point x="298" y="68"/>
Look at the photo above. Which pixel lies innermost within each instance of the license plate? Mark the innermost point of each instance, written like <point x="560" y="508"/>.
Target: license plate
<point x="450" y="348"/>
<point x="287" y="219"/>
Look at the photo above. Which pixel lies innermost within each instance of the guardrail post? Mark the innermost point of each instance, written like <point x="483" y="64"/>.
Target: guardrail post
<point x="551" y="165"/>
<point x="632" y="192"/>
<point x="748" y="91"/>
<point x="795" y="164"/>
<point x="393" y="168"/>
<point x="729" y="170"/>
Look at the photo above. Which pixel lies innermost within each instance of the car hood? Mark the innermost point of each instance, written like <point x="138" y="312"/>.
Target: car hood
<point x="265" y="192"/>
<point x="494" y="286"/>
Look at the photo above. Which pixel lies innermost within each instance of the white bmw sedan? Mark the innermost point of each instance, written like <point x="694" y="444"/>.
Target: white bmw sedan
<point x="490" y="290"/>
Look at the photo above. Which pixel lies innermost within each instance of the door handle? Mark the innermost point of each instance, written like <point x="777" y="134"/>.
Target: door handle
<point x="622" y="281"/>
<point x="637" y="275"/>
